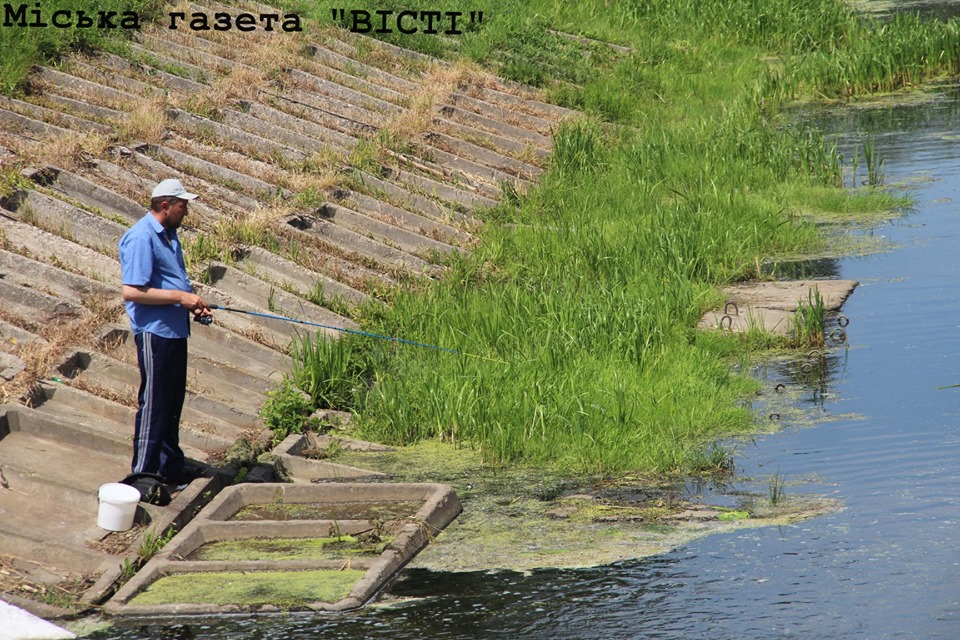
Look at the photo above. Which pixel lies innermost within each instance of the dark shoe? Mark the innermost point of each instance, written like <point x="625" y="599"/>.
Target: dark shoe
<point x="151" y="488"/>
<point x="190" y="472"/>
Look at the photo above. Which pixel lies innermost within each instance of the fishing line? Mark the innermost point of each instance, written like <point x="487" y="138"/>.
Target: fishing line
<point x="354" y="331"/>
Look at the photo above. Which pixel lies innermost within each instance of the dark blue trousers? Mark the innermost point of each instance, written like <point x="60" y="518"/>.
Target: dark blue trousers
<point x="163" y="383"/>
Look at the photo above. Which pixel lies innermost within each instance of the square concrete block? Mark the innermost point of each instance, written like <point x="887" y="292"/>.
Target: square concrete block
<point x="264" y="547"/>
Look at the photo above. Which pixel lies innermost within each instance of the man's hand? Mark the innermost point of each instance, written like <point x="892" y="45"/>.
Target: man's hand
<point x="150" y="295"/>
<point x="193" y="302"/>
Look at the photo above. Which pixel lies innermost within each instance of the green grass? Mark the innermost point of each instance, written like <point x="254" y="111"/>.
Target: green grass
<point x="577" y="324"/>
<point x="23" y="47"/>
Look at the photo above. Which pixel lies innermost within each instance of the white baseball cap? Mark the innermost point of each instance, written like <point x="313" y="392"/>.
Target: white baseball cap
<point x="172" y="187"/>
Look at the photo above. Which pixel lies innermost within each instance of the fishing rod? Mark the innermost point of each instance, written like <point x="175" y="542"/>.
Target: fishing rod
<point x="208" y="320"/>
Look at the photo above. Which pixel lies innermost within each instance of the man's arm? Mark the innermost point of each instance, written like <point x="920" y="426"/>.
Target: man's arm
<point x="152" y="295"/>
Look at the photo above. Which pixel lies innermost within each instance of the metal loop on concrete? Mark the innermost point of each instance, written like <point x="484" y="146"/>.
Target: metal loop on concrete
<point x="736" y="309"/>
<point x="843" y="320"/>
<point x="729" y="322"/>
<point x="839" y="336"/>
<point x="780" y="388"/>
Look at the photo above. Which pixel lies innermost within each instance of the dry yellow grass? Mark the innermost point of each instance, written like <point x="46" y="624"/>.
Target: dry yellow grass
<point x="71" y="153"/>
<point x="41" y="357"/>
<point x="439" y="83"/>
<point x="145" y="122"/>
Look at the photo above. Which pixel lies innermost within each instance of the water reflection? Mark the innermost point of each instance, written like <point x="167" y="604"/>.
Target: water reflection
<point x="936" y="10"/>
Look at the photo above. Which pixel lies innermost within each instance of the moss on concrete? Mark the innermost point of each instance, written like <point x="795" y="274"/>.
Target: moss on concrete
<point x="281" y="588"/>
<point x="279" y="549"/>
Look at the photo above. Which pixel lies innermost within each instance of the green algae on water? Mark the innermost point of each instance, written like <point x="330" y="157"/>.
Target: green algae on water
<point x="288" y="588"/>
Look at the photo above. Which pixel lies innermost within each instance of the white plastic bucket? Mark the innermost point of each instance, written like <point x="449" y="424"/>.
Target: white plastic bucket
<point x="118" y="506"/>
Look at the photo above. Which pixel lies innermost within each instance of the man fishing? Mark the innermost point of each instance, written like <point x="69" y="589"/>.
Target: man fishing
<point x="159" y="298"/>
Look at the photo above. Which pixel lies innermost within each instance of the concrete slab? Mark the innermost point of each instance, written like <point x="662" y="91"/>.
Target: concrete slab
<point x="400" y="217"/>
<point x="66" y="220"/>
<point x="511" y="166"/>
<point x="408" y="515"/>
<point x="786" y="294"/>
<point x="772" y="305"/>
<point x="329" y="111"/>
<point x="437" y="188"/>
<point x="407" y="198"/>
<point x="26" y="239"/>
<point x="273" y="268"/>
<point x="91" y="194"/>
<point x="292" y="452"/>
<point x="250" y="143"/>
<point x="385" y="256"/>
<point x="51" y="116"/>
<point x="413" y="243"/>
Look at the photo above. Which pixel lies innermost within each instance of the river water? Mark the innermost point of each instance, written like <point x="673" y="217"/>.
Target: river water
<point x="887" y="445"/>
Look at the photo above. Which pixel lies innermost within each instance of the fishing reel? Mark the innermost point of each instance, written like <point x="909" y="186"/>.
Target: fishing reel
<point x="204" y="320"/>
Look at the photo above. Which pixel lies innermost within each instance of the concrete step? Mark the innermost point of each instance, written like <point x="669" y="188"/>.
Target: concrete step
<point x="50" y="116"/>
<point x="126" y="73"/>
<point x="355" y="66"/>
<point x="50" y="98"/>
<point x="89" y="193"/>
<point x="438" y="189"/>
<point x="271" y="333"/>
<point x="36" y="308"/>
<point x="301" y="126"/>
<point x="208" y="54"/>
<point x="406" y="198"/>
<point x="237" y="355"/>
<point x="486" y="180"/>
<point x="525" y="150"/>
<point x="137" y="176"/>
<point x="251" y="185"/>
<point x="522" y="99"/>
<point x="343" y="42"/>
<point x="459" y="116"/>
<point x="259" y="294"/>
<point x="30" y="127"/>
<point x="293" y="277"/>
<point x="200" y="433"/>
<point x="216" y="397"/>
<point x="13" y="337"/>
<point x="173" y="58"/>
<point x="403" y="218"/>
<point x="322" y="86"/>
<point x="392" y="235"/>
<point x="492" y="166"/>
<point x="216" y="200"/>
<point x="50" y="534"/>
<point x="47" y="469"/>
<point x="502" y="114"/>
<point x="329" y="111"/>
<point x="65" y="220"/>
<point x="242" y="141"/>
<point x="210" y="368"/>
<point x="384" y="256"/>
<point x="278" y="134"/>
<point x="33" y="274"/>
<point x="54" y="249"/>
<point x="102" y="94"/>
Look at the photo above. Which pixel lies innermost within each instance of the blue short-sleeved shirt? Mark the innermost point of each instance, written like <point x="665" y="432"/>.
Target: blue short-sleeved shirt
<point x="150" y="256"/>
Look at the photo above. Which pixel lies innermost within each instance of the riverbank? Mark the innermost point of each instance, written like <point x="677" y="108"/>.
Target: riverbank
<point x="575" y="312"/>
